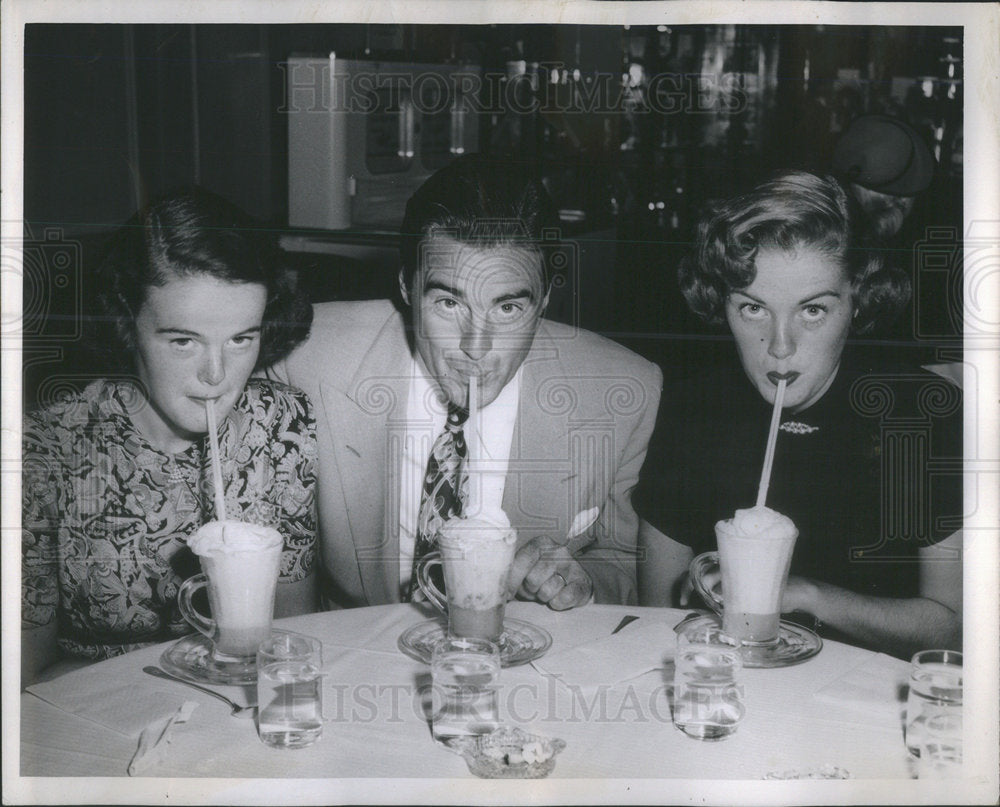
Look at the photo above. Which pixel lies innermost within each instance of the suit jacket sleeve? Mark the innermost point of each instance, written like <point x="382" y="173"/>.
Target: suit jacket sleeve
<point x="610" y="557"/>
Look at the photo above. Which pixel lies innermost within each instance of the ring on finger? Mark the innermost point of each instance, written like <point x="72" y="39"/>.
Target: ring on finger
<point x="564" y="582"/>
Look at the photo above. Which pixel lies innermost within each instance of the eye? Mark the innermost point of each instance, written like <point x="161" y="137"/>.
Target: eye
<point x="244" y="340"/>
<point x="814" y="313"/>
<point x="447" y="305"/>
<point x="181" y="342"/>
<point x="752" y="311"/>
<point x="508" y="312"/>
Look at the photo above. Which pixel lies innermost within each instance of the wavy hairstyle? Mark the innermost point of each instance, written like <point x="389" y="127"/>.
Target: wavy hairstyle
<point x="191" y="232"/>
<point x="482" y="201"/>
<point x="792" y="210"/>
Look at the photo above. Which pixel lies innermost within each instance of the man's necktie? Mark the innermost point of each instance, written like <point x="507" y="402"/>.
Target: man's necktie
<point x="445" y="490"/>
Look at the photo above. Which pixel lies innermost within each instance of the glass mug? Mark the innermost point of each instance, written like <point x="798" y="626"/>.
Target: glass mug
<point x="475" y="556"/>
<point x="754" y="571"/>
<point x="240" y="564"/>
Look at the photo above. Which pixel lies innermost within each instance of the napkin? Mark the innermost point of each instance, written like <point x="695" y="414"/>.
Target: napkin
<point x="876" y="687"/>
<point x="635" y="650"/>
<point x="125" y="708"/>
<point x="155" y="738"/>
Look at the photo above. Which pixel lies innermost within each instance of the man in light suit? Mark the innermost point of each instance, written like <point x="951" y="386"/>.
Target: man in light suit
<point x="565" y="414"/>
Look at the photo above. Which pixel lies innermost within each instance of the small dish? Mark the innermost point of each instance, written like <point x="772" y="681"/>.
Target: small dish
<point x="521" y="641"/>
<point x="509" y="752"/>
<point x="795" y="644"/>
<point x="192" y="659"/>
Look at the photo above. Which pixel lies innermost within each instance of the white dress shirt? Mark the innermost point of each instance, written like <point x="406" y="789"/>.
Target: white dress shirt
<point x="425" y="419"/>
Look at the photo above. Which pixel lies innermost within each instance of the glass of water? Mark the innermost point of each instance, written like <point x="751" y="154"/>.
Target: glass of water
<point x="708" y="688"/>
<point x="289" y="690"/>
<point x="934" y="707"/>
<point x="465" y="697"/>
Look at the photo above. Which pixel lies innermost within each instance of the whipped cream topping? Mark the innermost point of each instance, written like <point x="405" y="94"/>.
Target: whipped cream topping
<point x="230" y="537"/>
<point x="489" y="525"/>
<point x="760" y="521"/>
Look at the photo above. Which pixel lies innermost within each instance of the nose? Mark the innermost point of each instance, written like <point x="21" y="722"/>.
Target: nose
<point x="782" y="342"/>
<point x="213" y="369"/>
<point x="476" y="340"/>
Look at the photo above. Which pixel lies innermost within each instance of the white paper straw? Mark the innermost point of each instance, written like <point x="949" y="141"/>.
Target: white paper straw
<point x="772" y="438"/>
<point x="473" y="445"/>
<point x="213" y="440"/>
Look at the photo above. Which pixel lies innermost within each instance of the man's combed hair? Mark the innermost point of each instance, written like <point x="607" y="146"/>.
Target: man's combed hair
<point x="480" y="201"/>
<point x="194" y="232"/>
<point x="794" y="210"/>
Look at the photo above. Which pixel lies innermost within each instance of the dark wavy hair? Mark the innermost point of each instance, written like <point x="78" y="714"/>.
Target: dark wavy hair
<point x="792" y="210"/>
<point x="483" y="201"/>
<point x="191" y="232"/>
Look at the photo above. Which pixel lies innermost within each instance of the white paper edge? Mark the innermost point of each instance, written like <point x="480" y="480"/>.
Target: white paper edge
<point x="982" y="193"/>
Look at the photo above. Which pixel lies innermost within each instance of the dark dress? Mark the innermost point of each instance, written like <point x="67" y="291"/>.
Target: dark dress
<point x="869" y="473"/>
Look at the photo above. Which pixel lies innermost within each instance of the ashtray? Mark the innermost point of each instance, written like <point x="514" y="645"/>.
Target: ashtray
<point x="510" y="753"/>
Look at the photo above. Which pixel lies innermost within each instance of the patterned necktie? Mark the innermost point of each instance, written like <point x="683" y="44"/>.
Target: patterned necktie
<point x="445" y="489"/>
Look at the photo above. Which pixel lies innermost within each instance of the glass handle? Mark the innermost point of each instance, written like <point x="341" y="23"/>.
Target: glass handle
<point x="702" y="566"/>
<point x="427" y="585"/>
<point x="187" y="590"/>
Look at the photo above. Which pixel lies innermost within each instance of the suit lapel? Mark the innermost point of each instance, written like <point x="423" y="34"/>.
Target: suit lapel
<point x="368" y="415"/>
<point x="541" y="480"/>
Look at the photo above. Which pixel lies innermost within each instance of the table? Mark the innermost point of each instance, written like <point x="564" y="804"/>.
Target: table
<point x="85" y="723"/>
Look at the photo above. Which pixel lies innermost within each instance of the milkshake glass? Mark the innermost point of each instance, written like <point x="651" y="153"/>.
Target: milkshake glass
<point x="240" y="564"/>
<point x="476" y="554"/>
<point x="755" y="553"/>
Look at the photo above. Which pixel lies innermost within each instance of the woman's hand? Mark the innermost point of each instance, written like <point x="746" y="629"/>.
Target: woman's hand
<point x="688" y="597"/>
<point x="801" y="594"/>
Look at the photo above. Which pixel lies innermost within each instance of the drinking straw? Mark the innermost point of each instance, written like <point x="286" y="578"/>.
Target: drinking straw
<point x="772" y="438"/>
<point x="473" y="444"/>
<point x="213" y="440"/>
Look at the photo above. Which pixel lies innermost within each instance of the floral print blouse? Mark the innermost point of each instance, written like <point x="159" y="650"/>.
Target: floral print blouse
<point x="106" y="515"/>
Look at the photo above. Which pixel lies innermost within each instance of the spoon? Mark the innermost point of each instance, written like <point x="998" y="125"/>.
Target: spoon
<point x="238" y="711"/>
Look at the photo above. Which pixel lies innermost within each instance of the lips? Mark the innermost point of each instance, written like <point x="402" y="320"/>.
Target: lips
<point x="204" y="400"/>
<point x="465" y="373"/>
<point x="788" y="378"/>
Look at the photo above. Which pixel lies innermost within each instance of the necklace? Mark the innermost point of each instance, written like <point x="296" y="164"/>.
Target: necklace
<point x="794" y="427"/>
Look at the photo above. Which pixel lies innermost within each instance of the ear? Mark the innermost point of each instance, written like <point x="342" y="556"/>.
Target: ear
<point x="405" y="292"/>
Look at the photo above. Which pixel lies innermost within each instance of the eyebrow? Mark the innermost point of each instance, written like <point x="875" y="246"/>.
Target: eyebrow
<point x="185" y="332"/>
<point x="803" y="301"/>
<point x="437" y="285"/>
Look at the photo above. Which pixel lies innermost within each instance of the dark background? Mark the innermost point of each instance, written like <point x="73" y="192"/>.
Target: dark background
<point x="116" y="114"/>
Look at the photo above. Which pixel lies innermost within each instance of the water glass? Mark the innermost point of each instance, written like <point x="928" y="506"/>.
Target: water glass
<point x="289" y="690"/>
<point x="708" y="688"/>
<point x="941" y="747"/>
<point x="465" y="697"/>
<point x="934" y="708"/>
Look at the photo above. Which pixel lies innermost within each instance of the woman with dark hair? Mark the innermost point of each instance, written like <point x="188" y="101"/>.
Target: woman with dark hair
<point x="194" y="298"/>
<point x="876" y="561"/>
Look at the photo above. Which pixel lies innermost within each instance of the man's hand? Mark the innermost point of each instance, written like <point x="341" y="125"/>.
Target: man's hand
<point x="546" y="571"/>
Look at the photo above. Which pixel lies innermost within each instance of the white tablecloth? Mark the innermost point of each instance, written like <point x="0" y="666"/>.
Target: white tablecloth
<point x="842" y="709"/>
